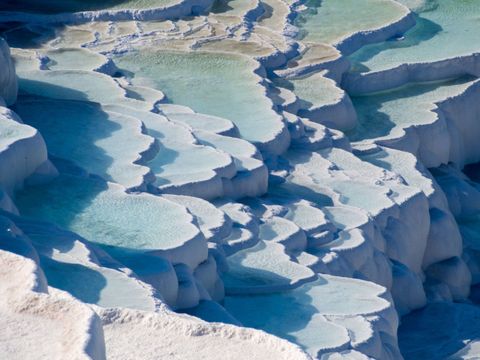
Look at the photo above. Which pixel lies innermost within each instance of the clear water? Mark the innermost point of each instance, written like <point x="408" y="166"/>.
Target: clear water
<point x="379" y="114"/>
<point x="105" y="214"/>
<point x="233" y="7"/>
<point x="314" y="178"/>
<point x="298" y="315"/>
<point x="234" y="146"/>
<point x="222" y="84"/>
<point x="244" y="154"/>
<point x="103" y="143"/>
<point x="101" y="286"/>
<point x="208" y="123"/>
<point x="71" y="85"/>
<point x="314" y="90"/>
<point x="264" y="266"/>
<point x="210" y="220"/>
<point x="24" y="60"/>
<point x="74" y="59"/>
<point x="330" y="21"/>
<point x="179" y="159"/>
<point x="79" y="85"/>
<point x="445" y="29"/>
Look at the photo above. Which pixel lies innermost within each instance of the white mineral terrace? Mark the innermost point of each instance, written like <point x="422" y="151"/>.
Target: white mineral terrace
<point x="239" y="179"/>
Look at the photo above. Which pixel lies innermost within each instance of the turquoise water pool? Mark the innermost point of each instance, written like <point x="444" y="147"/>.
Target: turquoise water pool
<point x="330" y="21"/>
<point x="445" y="29"/>
<point x="222" y="84"/>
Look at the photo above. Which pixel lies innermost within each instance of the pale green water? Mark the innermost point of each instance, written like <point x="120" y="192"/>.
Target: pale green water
<point x="315" y="90"/>
<point x="297" y="315"/>
<point x="105" y="214"/>
<point x="74" y="59"/>
<point x="379" y="114"/>
<point x="330" y="21"/>
<point x="212" y="83"/>
<point x="264" y="266"/>
<point x="447" y="28"/>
